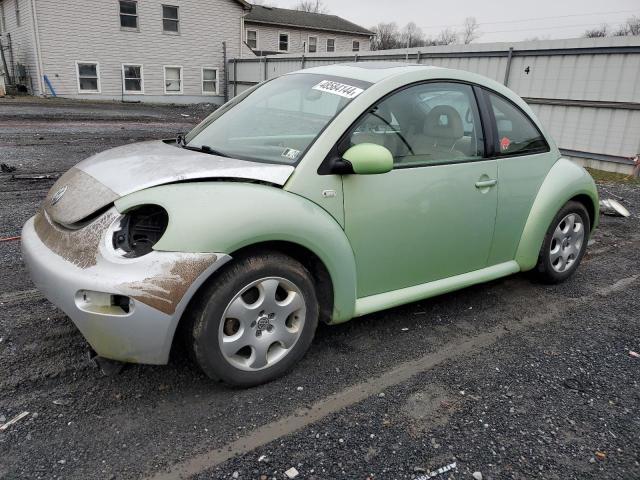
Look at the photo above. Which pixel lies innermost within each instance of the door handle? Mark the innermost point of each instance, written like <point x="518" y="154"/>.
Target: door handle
<point x="486" y="183"/>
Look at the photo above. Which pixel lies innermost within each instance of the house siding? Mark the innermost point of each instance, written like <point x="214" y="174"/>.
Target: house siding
<point x="22" y="41"/>
<point x="268" y="36"/>
<point x="89" y="31"/>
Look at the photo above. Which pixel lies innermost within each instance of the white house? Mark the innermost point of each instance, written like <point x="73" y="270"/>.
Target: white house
<point x="271" y="30"/>
<point x="149" y="50"/>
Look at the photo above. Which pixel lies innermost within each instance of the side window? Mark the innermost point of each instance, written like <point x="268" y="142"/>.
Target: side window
<point x="427" y="124"/>
<point x="517" y="134"/>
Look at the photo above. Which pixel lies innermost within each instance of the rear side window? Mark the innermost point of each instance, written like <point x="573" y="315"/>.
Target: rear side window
<point x="517" y="134"/>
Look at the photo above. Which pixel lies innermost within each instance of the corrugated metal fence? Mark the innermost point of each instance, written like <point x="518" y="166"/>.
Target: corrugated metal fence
<point x="586" y="91"/>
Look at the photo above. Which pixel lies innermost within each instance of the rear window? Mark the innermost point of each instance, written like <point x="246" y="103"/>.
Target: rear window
<point x="517" y="134"/>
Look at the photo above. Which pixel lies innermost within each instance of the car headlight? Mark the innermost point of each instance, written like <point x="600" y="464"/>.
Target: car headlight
<point x="138" y="230"/>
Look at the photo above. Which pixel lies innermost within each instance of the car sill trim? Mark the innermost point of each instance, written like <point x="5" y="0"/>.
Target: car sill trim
<point x="381" y="301"/>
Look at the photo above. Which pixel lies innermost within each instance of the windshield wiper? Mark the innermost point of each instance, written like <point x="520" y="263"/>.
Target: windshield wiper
<point x="205" y="149"/>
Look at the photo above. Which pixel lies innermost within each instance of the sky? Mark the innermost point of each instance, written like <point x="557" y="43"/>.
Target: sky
<point x="500" y="20"/>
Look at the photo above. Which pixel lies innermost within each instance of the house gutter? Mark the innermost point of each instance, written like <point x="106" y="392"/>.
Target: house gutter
<point x="36" y="38"/>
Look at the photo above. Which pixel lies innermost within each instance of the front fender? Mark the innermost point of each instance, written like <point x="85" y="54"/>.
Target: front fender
<point x="564" y="181"/>
<point x="227" y="216"/>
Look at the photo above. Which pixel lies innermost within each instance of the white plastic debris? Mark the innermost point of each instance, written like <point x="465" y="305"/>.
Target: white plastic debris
<point x="300" y="389"/>
<point x="292" y="473"/>
<point x="439" y="471"/>
<point x="262" y="458"/>
<point x="477" y="475"/>
<point x="609" y="206"/>
<point x="15" y="419"/>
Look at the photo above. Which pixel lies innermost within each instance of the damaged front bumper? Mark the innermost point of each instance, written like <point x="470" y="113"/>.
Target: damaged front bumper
<point x="127" y="309"/>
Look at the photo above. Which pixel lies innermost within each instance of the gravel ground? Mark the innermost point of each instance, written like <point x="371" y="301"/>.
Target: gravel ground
<point x="511" y="379"/>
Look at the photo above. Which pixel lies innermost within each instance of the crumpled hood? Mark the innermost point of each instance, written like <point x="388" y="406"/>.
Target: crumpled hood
<point x="103" y="178"/>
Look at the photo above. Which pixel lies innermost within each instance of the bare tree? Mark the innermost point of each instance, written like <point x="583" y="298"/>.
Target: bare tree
<point x="386" y="36"/>
<point x="446" y="37"/>
<point x="633" y="26"/>
<point x="470" y="31"/>
<point x="312" y="6"/>
<point x="412" y="36"/>
<point x="601" y="31"/>
<point x="630" y="27"/>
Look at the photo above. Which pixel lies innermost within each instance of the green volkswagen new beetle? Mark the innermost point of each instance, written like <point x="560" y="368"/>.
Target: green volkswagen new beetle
<point x="321" y="195"/>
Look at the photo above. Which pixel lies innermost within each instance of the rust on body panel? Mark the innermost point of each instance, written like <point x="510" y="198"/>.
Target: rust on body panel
<point x="164" y="290"/>
<point x="79" y="247"/>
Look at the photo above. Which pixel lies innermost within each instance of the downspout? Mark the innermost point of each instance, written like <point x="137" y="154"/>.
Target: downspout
<point x="36" y="38"/>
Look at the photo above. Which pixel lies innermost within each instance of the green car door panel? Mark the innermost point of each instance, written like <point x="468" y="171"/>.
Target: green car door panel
<point x="415" y="225"/>
<point x="227" y="216"/>
<point x="565" y="181"/>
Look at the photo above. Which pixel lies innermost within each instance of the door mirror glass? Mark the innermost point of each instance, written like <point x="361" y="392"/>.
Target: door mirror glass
<point x="369" y="159"/>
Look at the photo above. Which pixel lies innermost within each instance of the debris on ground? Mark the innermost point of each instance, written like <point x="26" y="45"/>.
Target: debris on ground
<point x="35" y="178"/>
<point x="434" y="473"/>
<point x="9" y="239"/>
<point x="63" y="402"/>
<point x="614" y="208"/>
<point x="600" y="455"/>
<point x="15" y="419"/>
<point x="7" y="168"/>
<point x="262" y="458"/>
<point x="292" y="473"/>
<point x="108" y="367"/>
<point x="477" y="475"/>
<point x="634" y="354"/>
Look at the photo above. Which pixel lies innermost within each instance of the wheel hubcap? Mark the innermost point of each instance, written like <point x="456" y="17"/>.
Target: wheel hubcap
<point x="262" y="324"/>
<point x="566" y="243"/>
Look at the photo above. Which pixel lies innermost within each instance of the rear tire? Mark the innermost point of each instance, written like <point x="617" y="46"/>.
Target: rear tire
<point x="564" y="244"/>
<point x="255" y="320"/>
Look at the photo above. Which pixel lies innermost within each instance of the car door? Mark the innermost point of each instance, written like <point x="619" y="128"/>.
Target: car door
<point x="433" y="215"/>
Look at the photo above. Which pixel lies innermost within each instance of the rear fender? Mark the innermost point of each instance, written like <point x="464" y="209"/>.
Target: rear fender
<point x="564" y="181"/>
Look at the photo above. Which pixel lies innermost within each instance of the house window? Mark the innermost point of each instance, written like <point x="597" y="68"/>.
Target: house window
<point x="331" y="44"/>
<point x="172" y="80"/>
<point x="252" y="39"/>
<point x="356" y="46"/>
<point x="18" y="13"/>
<point x="88" y="77"/>
<point x="132" y="78"/>
<point x="128" y="14"/>
<point x="170" y="20"/>
<point x="209" y="81"/>
<point x="313" y="45"/>
<point x="283" y="42"/>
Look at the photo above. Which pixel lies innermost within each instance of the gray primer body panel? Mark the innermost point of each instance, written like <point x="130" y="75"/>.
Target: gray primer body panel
<point x="101" y="179"/>
<point x="134" y="167"/>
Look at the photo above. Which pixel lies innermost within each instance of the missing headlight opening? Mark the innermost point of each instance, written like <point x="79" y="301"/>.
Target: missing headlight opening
<point x="139" y="230"/>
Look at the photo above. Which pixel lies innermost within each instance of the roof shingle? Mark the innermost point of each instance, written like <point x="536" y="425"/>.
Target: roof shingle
<point x="298" y="18"/>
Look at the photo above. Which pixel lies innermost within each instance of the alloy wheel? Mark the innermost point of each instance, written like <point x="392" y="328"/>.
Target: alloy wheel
<point x="262" y="323"/>
<point x="567" y="242"/>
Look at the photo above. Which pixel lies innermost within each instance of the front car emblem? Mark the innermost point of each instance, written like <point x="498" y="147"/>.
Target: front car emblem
<point x="58" y="195"/>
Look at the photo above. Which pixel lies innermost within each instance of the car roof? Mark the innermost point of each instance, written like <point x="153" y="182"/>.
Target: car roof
<point x="372" y="72"/>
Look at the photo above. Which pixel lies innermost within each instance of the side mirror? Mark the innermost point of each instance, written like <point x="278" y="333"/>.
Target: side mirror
<point x="369" y="159"/>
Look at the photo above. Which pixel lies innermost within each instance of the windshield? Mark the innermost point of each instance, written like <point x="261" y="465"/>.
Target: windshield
<point x="278" y="120"/>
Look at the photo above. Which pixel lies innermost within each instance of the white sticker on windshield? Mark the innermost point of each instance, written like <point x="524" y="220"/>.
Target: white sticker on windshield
<point x="346" y="91"/>
<point x="291" y="153"/>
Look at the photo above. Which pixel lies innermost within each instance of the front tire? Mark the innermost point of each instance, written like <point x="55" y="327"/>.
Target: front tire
<point x="564" y="243"/>
<point x="254" y="321"/>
